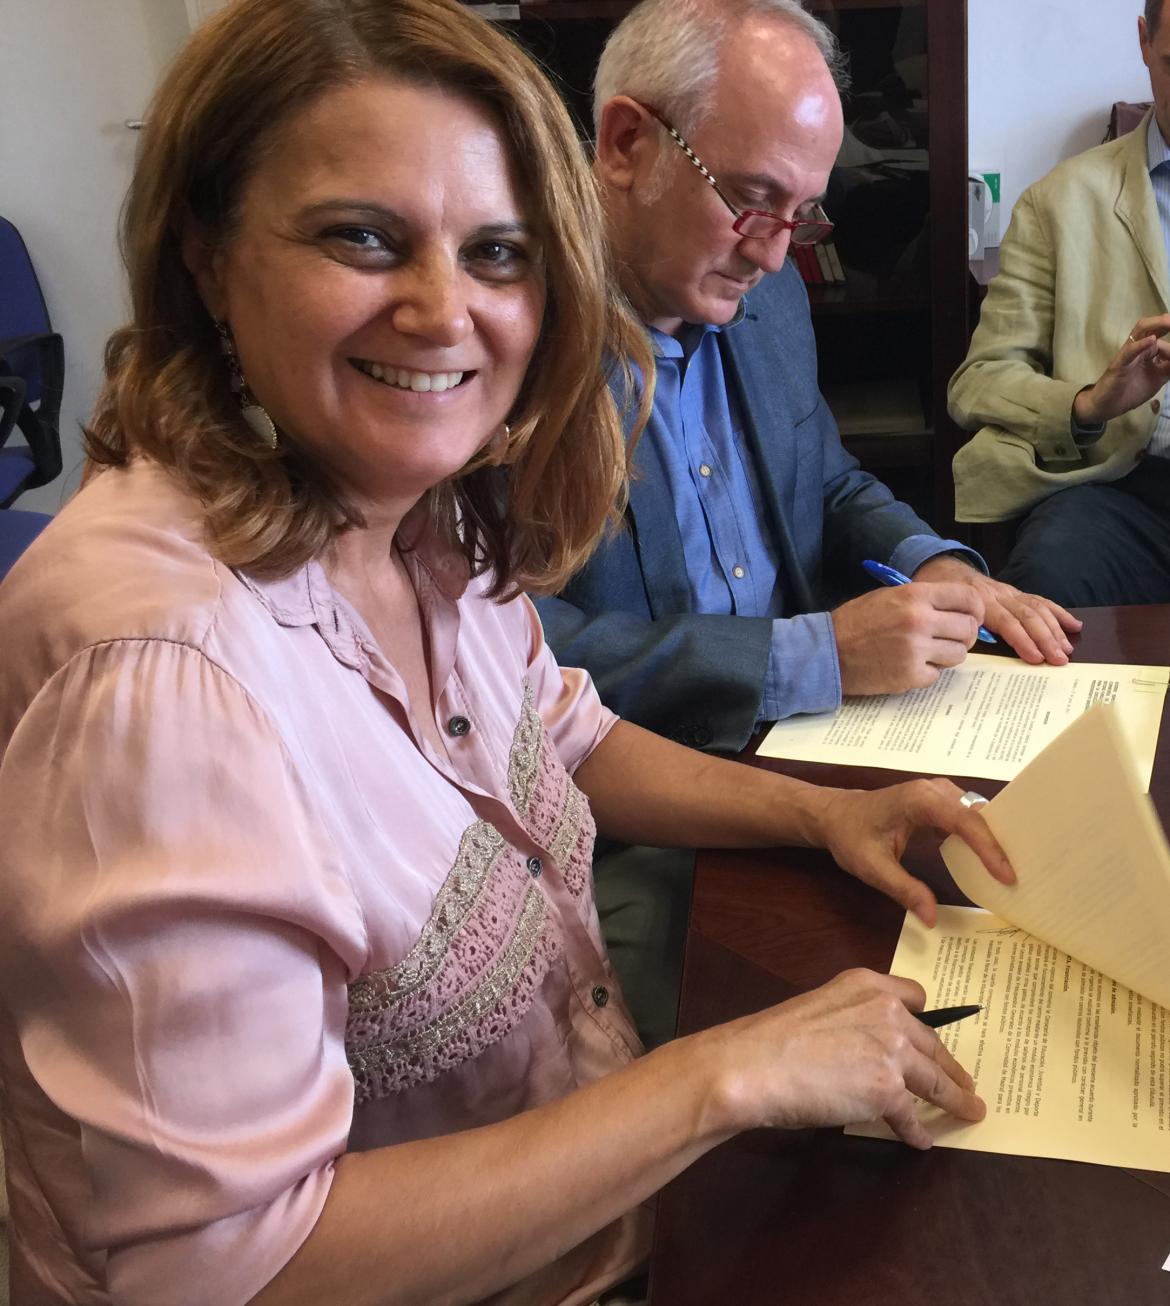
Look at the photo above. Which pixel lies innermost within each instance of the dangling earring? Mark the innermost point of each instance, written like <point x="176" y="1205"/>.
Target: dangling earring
<point x="256" y="417"/>
<point x="497" y="447"/>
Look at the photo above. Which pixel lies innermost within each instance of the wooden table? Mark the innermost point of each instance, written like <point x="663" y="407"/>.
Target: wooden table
<point x="814" y="1218"/>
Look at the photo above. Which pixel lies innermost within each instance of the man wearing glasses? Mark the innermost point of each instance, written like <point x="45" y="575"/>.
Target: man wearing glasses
<point x="718" y="123"/>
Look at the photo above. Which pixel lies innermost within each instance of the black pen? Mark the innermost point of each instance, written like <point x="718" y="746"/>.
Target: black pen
<point x="945" y="1015"/>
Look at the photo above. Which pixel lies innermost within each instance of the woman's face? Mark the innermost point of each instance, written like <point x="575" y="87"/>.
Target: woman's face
<point x="384" y="286"/>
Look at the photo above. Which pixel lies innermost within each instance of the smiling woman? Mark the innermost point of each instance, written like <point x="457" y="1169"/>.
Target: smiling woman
<point x="303" y="997"/>
<point x="386" y="233"/>
<point x="349" y="107"/>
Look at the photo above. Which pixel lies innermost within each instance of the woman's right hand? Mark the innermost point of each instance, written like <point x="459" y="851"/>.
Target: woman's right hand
<point x="848" y="1052"/>
<point x="1138" y="372"/>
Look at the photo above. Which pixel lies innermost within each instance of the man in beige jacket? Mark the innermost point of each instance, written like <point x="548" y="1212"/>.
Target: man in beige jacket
<point x="1066" y="372"/>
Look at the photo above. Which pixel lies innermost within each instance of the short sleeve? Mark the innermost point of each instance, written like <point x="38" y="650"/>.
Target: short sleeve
<point x="565" y="697"/>
<point x="174" y="953"/>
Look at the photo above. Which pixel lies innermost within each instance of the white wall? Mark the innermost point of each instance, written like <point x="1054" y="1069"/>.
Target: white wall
<point x="198" y="10"/>
<point x="1042" y="77"/>
<point x="74" y="71"/>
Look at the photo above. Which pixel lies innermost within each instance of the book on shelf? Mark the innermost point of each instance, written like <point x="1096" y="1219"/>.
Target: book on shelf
<point x="807" y="265"/>
<point x="835" y="262"/>
<point x="818" y="264"/>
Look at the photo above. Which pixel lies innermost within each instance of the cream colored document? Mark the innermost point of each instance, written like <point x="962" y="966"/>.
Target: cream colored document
<point x="988" y="718"/>
<point x="1071" y="1051"/>
<point x="1070" y="1063"/>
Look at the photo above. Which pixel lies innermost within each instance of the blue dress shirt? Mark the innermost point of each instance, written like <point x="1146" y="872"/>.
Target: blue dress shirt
<point x="733" y="567"/>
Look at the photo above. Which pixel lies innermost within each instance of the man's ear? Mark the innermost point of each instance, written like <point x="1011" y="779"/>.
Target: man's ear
<point x="1144" y="39"/>
<point x="627" y="143"/>
<point x="204" y="260"/>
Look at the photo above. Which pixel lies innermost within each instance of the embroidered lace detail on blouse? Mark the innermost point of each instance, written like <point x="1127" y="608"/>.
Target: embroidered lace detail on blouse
<point x="555" y="812"/>
<point x="479" y="850"/>
<point x="572" y="843"/>
<point x="469" y="979"/>
<point x="474" y="971"/>
<point x="524" y="762"/>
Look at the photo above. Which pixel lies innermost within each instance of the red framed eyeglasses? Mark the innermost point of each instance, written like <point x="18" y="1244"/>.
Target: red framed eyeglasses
<point x="757" y="224"/>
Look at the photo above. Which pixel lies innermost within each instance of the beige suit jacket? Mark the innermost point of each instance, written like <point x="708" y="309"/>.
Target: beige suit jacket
<point x="1083" y="259"/>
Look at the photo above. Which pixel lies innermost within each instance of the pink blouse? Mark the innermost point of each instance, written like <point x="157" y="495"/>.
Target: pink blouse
<point x="252" y="919"/>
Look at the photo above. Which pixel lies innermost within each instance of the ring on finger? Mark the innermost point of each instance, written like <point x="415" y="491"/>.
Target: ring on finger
<point x="972" y="799"/>
<point x="1132" y="338"/>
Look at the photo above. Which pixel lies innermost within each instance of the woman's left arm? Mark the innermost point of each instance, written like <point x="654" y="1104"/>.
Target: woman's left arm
<point x="645" y="789"/>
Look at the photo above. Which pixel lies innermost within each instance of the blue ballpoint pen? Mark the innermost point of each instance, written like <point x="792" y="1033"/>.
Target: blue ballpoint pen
<point x="889" y="576"/>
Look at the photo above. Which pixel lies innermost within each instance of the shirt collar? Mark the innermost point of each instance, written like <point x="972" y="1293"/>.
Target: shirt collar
<point x="307" y="597"/>
<point x="1157" y="151"/>
<point x="666" y="346"/>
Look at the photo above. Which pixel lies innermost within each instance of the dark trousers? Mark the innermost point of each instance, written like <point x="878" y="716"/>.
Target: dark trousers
<point x="643" y="900"/>
<point x="1099" y="545"/>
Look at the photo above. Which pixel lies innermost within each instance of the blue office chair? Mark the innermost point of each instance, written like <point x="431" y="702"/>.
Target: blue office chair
<point x="32" y="353"/>
<point x="11" y="402"/>
<point x="18" y="529"/>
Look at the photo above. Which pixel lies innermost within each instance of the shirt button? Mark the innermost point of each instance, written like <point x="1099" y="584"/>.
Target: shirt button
<point x="600" y="995"/>
<point x="1060" y="450"/>
<point x="458" y="725"/>
<point x="704" y="469"/>
<point x="535" y="866"/>
<point x="738" y="573"/>
<point x="1155" y="406"/>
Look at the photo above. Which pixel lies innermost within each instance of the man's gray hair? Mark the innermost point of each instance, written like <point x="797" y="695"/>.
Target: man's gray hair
<point x="666" y="53"/>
